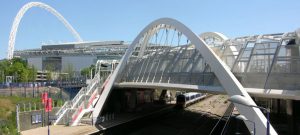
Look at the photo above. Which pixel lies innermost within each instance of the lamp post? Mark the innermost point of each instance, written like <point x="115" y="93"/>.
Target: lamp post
<point x="49" y="87"/>
<point x="243" y="118"/>
<point x="239" y="99"/>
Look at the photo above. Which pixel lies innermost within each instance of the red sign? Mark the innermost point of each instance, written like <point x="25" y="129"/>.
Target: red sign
<point x="49" y="105"/>
<point x="44" y="97"/>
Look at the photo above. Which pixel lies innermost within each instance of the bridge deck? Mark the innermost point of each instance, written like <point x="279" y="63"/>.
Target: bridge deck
<point x="209" y="89"/>
<point x="255" y="92"/>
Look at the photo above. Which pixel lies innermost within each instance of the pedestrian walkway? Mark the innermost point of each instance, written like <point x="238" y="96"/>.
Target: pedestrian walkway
<point x="62" y="130"/>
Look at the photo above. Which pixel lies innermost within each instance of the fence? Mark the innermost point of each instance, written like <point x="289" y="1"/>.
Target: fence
<point x="30" y="119"/>
<point x="56" y="83"/>
<point x="22" y="91"/>
<point x="35" y="92"/>
<point x="32" y="106"/>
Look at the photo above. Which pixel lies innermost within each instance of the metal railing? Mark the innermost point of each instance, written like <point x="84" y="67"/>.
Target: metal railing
<point x="85" y="95"/>
<point x="82" y="106"/>
<point x="78" y="95"/>
<point x="78" y="99"/>
<point x="63" y="108"/>
<point x="93" y="83"/>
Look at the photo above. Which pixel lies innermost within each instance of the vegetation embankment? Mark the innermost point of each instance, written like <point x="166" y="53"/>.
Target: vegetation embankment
<point x="8" y="113"/>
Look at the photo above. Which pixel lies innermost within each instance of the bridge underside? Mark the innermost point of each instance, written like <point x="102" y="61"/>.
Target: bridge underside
<point x="197" y="88"/>
<point x="254" y="92"/>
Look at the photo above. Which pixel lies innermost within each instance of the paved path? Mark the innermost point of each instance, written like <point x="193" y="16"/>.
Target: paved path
<point x="61" y="130"/>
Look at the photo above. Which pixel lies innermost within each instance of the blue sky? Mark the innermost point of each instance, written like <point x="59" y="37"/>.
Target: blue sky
<point x="98" y="20"/>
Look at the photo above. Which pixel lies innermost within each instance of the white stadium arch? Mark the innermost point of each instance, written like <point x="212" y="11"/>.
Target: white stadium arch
<point x="19" y="16"/>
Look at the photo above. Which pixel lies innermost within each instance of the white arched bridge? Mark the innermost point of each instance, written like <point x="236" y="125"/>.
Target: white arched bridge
<point x="168" y="55"/>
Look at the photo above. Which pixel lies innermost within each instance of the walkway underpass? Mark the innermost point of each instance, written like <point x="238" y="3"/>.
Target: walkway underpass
<point x="204" y="117"/>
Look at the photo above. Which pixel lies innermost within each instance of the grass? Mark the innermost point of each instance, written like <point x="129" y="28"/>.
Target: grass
<point x="8" y="113"/>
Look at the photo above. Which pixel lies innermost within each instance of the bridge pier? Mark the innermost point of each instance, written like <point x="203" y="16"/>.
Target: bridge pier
<point x="292" y="116"/>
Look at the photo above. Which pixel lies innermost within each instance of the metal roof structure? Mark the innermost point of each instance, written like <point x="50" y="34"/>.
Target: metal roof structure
<point x="167" y="55"/>
<point x="81" y="48"/>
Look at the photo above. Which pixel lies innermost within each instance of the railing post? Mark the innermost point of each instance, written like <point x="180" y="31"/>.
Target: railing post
<point x="17" y="118"/>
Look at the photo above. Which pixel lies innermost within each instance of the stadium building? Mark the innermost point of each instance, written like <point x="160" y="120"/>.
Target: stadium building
<point x="77" y="55"/>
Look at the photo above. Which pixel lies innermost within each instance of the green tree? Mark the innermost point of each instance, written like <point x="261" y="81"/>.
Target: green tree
<point x="24" y="75"/>
<point x="32" y="72"/>
<point x="18" y="68"/>
<point x="3" y="68"/>
<point x="86" y="72"/>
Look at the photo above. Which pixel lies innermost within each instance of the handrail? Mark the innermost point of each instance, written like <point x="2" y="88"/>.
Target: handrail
<point x="61" y="109"/>
<point x="82" y="91"/>
<point x="94" y="82"/>
<point x="78" y="102"/>
<point x="81" y="104"/>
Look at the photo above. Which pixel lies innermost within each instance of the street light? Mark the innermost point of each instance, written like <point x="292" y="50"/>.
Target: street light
<point x="239" y="99"/>
<point x="49" y="87"/>
<point x="243" y="118"/>
<point x="49" y="91"/>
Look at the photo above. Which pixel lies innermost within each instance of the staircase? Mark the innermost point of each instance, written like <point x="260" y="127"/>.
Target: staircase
<point x="72" y="111"/>
<point x="88" y="104"/>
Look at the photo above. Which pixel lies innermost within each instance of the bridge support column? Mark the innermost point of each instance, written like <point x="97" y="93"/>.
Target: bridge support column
<point x="132" y="100"/>
<point x="291" y="117"/>
<point x="278" y="106"/>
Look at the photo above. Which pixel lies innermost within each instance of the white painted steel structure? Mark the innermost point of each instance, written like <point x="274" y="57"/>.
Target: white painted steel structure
<point x="222" y="72"/>
<point x="213" y="38"/>
<point x="87" y="97"/>
<point x="19" y="16"/>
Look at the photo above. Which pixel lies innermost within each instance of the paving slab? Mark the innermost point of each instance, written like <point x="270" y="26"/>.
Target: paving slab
<point x="62" y="130"/>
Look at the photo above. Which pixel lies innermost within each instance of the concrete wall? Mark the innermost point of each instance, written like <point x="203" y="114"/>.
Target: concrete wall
<point x="78" y="62"/>
<point x="25" y="119"/>
<point x="36" y="61"/>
